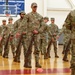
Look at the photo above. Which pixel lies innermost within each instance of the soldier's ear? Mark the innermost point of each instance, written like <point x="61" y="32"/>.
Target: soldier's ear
<point x="31" y="7"/>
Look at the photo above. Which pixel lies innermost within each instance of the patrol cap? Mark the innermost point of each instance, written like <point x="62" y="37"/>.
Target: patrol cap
<point x="10" y="18"/>
<point x="22" y="12"/>
<point x="34" y="4"/>
<point x="52" y="18"/>
<point x="3" y="20"/>
<point x="46" y="18"/>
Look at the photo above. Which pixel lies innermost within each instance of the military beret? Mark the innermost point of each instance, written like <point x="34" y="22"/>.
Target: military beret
<point x="3" y="20"/>
<point x="33" y="4"/>
<point x="46" y="18"/>
<point x="10" y="18"/>
<point x="22" y="12"/>
<point x="52" y="18"/>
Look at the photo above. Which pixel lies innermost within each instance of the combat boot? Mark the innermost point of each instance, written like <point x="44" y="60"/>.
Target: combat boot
<point x="26" y="64"/>
<point x="45" y="56"/>
<point x="49" y="56"/>
<point x="56" y="56"/>
<point x="63" y="52"/>
<point x="37" y="65"/>
<point x="5" y="55"/>
<point x="0" y="53"/>
<point x="65" y="58"/>
<point x="73" y="71"/>
<point x="16" y="59"/>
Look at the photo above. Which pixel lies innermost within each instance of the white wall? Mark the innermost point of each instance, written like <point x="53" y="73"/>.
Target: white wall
<point x="58" y="9"/>
<point x="59" y="17"/>
<point x="58" y="4"/>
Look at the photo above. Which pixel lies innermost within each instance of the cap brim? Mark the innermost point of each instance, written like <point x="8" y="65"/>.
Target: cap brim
<point x="34" y="5"/>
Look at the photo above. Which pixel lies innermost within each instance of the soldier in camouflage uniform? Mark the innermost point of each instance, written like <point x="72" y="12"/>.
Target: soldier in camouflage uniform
<point x="4" y="32"/>
<point x="12" y="41"/>
<point x="43" y="39"/>
<point x="20" y="28"/>
<point x="66" y="39"/>
<point x="54" y="30"/>
<point x="34" y="21"/>
<point x="70" y="24"/>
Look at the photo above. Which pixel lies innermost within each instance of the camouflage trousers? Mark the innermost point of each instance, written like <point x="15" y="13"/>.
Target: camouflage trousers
<point x="24" y="44"/>
<point x="43" y="45"/>
<point x="55" y="47"/>
<point x="65" y="42"/>
<point x="36" y="48"/>
<point x="11" y="45"/>
<point x="65" y="45"/>
<point x="73" y="57"/>
<point x="2" y="46"/>
<point x="1" y="49"/>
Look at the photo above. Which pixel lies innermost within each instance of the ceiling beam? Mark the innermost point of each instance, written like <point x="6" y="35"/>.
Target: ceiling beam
<point x="59" y="9"/>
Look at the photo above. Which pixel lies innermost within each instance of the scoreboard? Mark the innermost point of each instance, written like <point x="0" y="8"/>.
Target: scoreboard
<point x="12" y="7"/>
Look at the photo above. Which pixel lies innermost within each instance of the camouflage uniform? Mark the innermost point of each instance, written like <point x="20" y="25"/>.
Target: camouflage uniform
<point x="0" y="41"/>
<point x="20" y="27"/>
<point x="34" y="21"/>
<point x="67" y="34"/>
<point x="4" y="32"/>
<point x="43" y="38"/>
<point x="66" y="40"/>
<point x="54" y="30"/>
<point x="70" y="24"/>
<point x="12" y="41"/>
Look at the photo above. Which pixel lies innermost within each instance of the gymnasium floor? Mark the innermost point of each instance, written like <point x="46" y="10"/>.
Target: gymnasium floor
<point x="52" y="66"/>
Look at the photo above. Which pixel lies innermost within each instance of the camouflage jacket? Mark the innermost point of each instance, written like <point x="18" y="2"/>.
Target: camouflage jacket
<point x="10" y="26"/>
<point x="4" y="30"/>
<point x="34" y="22"/>
<point x="46" y="30"/>
<point x="19" y="26"/>
<point x="66" y="33"/>
<point x="70" y="23"/>
<point x="11" y="29"/>
<point x="54" y="29"/>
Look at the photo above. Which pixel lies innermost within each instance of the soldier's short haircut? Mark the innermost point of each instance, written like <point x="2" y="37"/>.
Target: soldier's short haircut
<point x="10" y="18"/>
<point x="46" y="18"/>
<point x="22" y="12"/>
<point x="34" y="4"/>
<point x="3" y="20"/>
<point x="52" y="18"/>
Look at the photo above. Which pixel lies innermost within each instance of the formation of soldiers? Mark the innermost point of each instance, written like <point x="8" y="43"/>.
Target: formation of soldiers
<point x="30" y="29"/>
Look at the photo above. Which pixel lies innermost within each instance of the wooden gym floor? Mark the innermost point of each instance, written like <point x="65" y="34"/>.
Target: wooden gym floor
<point x="51" y="66"/>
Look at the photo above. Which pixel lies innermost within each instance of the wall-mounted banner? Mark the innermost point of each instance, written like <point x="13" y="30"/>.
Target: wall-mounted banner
<point x="11" y="7"/>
